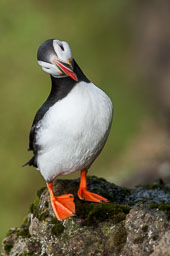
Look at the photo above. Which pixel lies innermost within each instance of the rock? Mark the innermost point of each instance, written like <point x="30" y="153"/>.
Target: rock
<point x="145" y="227"/>
<point x="135" y="222"/>
<point x="163" y="247"/>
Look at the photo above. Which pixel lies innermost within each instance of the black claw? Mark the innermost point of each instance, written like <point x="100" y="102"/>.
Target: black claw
<point x="61" y="220"/>
<point x="103" y="201"/>
<point x="74" y="213"/>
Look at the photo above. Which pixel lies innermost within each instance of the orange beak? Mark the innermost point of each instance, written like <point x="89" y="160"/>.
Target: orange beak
<point x="67" y="69"/>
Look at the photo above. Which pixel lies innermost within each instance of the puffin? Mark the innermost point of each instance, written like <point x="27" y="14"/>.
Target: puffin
<point x="71" y="128"/>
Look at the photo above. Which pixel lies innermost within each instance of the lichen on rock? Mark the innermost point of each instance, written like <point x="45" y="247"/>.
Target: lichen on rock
<point x="135" y="222"/>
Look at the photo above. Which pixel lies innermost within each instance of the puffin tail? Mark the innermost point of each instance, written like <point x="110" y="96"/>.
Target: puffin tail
<point x="32" y="162"/>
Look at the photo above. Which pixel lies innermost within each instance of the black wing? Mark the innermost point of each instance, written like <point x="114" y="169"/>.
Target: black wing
<point x="32" y="137"/>
<point x="33" y="147"/>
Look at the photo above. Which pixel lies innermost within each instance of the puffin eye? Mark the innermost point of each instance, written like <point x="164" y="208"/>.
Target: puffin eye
<point x="62" y="48"/>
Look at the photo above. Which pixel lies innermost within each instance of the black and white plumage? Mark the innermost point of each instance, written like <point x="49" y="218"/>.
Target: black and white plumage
<point x="71" y="127"/>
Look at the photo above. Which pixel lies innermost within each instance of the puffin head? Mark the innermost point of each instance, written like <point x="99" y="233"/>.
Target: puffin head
<point x="55" y="58"/>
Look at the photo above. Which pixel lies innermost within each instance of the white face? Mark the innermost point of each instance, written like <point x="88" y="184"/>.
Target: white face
<point x="61" y="53"/>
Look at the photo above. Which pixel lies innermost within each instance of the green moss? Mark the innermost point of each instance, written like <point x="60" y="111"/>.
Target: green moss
<point x="164" y="207"/>
<point x="40" y="191"/>
<point x="116" y="239"/>
<point x="106" y="230"/>
<point x="37" y="212"/>
<point x="161" y="207"/>
<point x="57" y="228"/>
<point x="120" y="236"/>
<point x="25" y="222"/>
<point x="8" y="247"/>
<point x="123" y="223"/>
<point x="43" y="215"/>
<point x="11" y="231"/>
<point x="152" y="186"/>
<point x="33" y="207"/>
<point x="23" y="231"/>
<point x="93" y="213"/>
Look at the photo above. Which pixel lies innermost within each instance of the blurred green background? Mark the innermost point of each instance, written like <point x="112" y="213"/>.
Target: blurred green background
<point x="101" y="37"/>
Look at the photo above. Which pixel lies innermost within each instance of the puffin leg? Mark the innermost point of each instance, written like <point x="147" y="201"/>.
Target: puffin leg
<point x="63" y="206"/>
<point x="86" y="195"/>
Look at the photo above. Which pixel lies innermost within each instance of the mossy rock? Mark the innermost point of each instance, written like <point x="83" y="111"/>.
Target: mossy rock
<point x="57" y="228"/>
<point x="98" y="228"/>
<point x="93" y="213"/>
<point x="161" y="207"/>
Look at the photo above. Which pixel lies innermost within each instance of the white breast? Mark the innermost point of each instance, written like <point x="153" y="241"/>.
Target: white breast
<point x="73" y="131"/>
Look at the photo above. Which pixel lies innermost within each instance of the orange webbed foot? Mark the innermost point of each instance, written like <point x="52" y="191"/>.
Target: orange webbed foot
<point x="63" y="206"/>
<point x="86" y="195"/>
